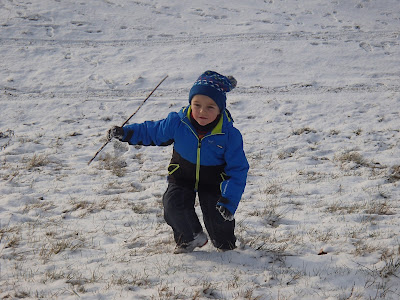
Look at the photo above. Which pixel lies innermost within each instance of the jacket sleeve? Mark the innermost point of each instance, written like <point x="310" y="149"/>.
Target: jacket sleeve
<point x="152" y="133"/>
<point x="236" y="168"/>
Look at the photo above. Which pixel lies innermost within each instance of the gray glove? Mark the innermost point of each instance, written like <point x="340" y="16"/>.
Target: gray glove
<point x="225" y="213"/>
<point x="115" y="132"/>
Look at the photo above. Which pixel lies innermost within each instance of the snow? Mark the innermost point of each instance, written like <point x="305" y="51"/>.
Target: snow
<point x="317" y="103"/>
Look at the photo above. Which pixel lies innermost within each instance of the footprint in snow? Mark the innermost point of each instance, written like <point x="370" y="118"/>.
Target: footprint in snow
<point x="50" y="31"/>
<point x="367" y="47"/>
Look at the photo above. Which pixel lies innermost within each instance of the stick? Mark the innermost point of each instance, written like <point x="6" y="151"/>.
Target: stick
<point x="127" y="120"/>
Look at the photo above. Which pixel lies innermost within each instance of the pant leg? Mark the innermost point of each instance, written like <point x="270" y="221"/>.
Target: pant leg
<point x="221" y="232"/>
<point x="179" y="213"/>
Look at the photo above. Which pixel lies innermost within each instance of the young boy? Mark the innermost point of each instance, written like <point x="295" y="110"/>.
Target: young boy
<point x="208" y="159"/>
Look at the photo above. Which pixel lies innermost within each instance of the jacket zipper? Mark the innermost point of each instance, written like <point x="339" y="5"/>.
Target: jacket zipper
<point x="196" y="185"/>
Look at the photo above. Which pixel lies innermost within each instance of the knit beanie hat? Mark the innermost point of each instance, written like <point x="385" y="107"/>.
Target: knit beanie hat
<point x="213" y="85"/>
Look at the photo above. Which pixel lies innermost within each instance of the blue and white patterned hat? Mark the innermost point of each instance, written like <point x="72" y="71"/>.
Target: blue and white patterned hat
<point x="213" y="85"/>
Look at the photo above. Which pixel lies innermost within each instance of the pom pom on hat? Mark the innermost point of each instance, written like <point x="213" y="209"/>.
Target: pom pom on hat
<point x="213" y="85"/>
<point x="232" y="80"/>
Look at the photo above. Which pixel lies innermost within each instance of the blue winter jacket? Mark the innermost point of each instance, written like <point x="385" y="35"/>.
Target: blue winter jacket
<point x="216" y="161"/>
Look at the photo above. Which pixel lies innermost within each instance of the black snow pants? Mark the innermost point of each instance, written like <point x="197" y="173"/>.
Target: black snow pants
<point x="179" y="213"/>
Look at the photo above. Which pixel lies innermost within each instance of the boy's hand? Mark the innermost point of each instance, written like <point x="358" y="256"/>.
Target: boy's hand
<point x="115" y="132"/>
<point x="225" y="213"/>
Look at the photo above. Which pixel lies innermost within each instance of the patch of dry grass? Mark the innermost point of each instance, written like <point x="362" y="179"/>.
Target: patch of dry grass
<point x="115" y="164"/>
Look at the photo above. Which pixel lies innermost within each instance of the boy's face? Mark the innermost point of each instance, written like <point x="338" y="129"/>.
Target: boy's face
<point x="204" y="109"/>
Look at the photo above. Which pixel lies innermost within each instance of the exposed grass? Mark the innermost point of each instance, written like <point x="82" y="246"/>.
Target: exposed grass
<point x="352" y="157"/>
<point x="37" y="160"/>
<point x="115" y="164"/>
<point x="394" y="174"/>
<point x="343" y="208"/>
<point x="363" y="248"/>
<point x="286" y="153"/>
<point x="304" y="130"/>
<point x="325" y="236"/>
<point x="5" y="138"/>
<point x="83" y="207"/>
<point x="57" y="246"/>
<point x="379" y="207"/>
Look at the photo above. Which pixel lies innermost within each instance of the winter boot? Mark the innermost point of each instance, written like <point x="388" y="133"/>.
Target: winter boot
<point x="200" y="240"/>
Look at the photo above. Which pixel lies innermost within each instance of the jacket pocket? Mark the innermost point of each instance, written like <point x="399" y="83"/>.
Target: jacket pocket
<point x="224" y="176"/>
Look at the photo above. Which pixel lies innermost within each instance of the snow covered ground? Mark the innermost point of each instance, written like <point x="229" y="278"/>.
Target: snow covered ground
<point x="317" y="102"/>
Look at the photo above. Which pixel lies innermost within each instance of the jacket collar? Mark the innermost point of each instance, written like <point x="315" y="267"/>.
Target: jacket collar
<point x="225" y="119"/>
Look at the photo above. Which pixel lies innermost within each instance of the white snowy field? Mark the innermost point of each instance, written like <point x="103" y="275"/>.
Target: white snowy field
<point x="317" y="102"/>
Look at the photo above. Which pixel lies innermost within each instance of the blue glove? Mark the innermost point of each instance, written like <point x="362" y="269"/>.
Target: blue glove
<point x="115" y="132"/>
<point x="225" y="213"/>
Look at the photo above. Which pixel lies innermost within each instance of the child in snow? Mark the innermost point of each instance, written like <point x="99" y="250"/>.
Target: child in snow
<point x="208" y="159"/>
